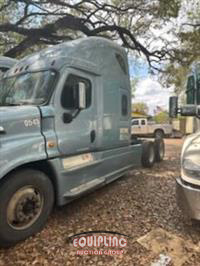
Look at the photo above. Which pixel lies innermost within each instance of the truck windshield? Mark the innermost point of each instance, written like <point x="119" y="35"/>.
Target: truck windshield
<point x="30" y="88"/>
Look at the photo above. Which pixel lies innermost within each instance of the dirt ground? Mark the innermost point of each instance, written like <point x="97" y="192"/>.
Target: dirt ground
<point x="134" y="205"/>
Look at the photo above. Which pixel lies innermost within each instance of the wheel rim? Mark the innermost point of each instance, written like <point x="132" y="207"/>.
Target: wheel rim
<point x="151" y="155"/>
<point x="24" y="207"/>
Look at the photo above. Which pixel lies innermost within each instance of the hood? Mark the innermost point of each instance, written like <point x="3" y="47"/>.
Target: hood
<point x="21" y="139"/>
<point x="18" y="120"/>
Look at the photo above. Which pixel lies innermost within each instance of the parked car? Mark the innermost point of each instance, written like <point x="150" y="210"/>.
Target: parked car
<point x="144" y="128"/>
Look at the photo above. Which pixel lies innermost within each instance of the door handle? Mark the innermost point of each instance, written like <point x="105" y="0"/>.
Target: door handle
<point x="92" y="136"/>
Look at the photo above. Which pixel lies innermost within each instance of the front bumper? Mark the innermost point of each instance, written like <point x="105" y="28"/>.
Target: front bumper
<point x="188" y="199"/>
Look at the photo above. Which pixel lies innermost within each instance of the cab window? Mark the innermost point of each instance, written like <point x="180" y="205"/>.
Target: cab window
<point x="143" y="122"/>
<point x="70" y="93"/>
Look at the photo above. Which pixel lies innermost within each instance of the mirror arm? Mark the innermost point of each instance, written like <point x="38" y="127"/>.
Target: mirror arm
<point x="76" y="113"/>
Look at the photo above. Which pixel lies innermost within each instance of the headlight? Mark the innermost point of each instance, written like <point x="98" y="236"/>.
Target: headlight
<point x="191" y="168"/>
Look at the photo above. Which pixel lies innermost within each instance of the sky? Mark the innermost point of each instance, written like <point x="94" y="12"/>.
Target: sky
<point x="152" y="93"/>
<point x="149" y="90"/>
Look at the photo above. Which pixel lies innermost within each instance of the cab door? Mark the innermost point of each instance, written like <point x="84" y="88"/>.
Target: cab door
<point x="80" y="134"/>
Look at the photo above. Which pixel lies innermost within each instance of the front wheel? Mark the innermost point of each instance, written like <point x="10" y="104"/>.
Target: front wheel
<point x="26" y="200"/>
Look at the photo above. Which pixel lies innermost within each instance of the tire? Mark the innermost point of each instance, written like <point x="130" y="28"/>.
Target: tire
<point x="148" y="154"/>
<point x="159" y="147"/>
<point x="26" y="200"/>
<point x="159" y="134"/>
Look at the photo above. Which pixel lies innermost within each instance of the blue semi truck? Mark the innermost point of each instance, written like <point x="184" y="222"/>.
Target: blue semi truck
<point x="65" y="129"/>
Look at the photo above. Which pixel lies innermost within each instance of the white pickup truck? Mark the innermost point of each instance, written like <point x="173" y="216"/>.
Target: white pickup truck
<point x="143" y="127"/>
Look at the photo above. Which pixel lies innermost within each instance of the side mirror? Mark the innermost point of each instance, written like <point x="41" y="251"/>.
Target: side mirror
<point x="82" y="95"/>
<point x="189" y="110"/>
<point x="173" y="106"/>
<point x="67" y="118"/>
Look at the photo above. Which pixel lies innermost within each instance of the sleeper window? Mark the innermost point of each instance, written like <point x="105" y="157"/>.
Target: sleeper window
<point x="70" y="93"/>
<point x="124" y="105"/>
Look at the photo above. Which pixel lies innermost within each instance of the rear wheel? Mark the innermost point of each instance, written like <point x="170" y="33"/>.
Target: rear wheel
<point x="159" y="134"/>
<point x="148" y="154"/>
<point x="159" y="147"/>
<point x="26" y="200"/>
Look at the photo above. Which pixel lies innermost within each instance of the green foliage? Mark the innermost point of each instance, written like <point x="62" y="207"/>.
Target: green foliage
<point x="57" y="21"/>
<point x="169" y="8"/>
<point x="189" y="51"/>
<point x="176" y="75"/>
<point x="121" y="20"/>
<point x="9" y="15"/>
<point x="162" y="118"/>
<point x="140" y="107"/>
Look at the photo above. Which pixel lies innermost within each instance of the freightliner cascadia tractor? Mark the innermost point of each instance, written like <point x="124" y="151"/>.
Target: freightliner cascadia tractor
<point x="65" y="129"/>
